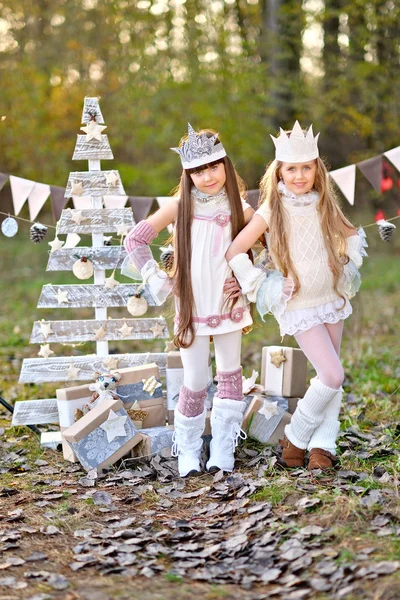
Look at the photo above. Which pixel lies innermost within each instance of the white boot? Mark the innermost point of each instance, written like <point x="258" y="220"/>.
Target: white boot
<point x="325" y="435"/>
<point x="226" y="421"/>
<point x="309" y="413"/>
<point x="187" y="442"/>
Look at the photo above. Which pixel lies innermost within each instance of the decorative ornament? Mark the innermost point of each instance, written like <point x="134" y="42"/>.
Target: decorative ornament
<point x="72" y="372"/>
<point x="157" y="330"/>
<point x="199" y="149"/>
<point x="55" y="245"/>
<point x="62" y="296"/>
<point x="167" y="258"/>
<point x="45" y="351"/>
<point x="112" y="178"/>
<point x="125" y="330"/>
<point x="76" y="216"/>
<point x="107" y="240"/>
<point x="122" y="230"/>
<point x="101" y="333"/>
<point x="83" y="268"/>
<point x="77" y="188"/>
<point x="277" y="358"/>
<point x="111" y="363"/>
<point x="45" y="329"/>
<point x="386" y="230"/>
<point x="170" y="346"/>
<point x="137" y="305"/>
<point x="269" y="410"/>
<point x="250" y="383"/>
<point x="111" y="282"/>
<point x="93" y="131"/>
<point x="150" y="385"/>
<point x="9" y="227"/>
<point x="136" y="413"/>
<point x="114" y="426"/>
<point x="37" y="233"/>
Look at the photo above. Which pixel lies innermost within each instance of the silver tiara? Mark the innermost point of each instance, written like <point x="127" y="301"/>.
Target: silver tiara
<point x="199" y="149"/>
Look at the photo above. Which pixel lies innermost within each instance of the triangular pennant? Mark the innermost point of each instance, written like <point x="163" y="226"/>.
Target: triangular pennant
<point x="114" y="201"/>
<point x="72" y="240"/>
<point x="82" y="203"/>
<point x="372" y="170"/>
<point x="345" y="179"/>
<point x="394" y="157"/>
<point x="141" y="206"/>
<point x="3" y="179"/>
<point x="20" y="188"/>
<point x="253" y="197"/>
<point x="57" y="200"/>
<point x="37" y="198"/>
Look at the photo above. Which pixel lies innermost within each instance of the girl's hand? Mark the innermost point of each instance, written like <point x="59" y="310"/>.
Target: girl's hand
<point x="232" y="287"/>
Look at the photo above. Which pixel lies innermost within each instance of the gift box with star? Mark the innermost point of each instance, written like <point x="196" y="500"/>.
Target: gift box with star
<point x="142" y="385"/>
<point x="154" y="439"/>
<point x="265" y="419"/>
<point x="103" y="435"/>
<point x="283" y="371"/>
<point x="68" y="401"/>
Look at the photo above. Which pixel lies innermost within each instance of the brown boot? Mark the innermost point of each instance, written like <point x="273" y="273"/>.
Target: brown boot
<point x="322" y="459"/>
<point x="292" y="456"/>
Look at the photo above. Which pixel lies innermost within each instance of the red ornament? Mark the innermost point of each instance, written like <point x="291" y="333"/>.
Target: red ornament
<point x="386" y="184"/>
<point x="379" y="215"/>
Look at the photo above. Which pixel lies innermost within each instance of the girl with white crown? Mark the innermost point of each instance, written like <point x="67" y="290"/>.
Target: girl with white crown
<point x="314" y="254"/>
<point x="208" y="212"/>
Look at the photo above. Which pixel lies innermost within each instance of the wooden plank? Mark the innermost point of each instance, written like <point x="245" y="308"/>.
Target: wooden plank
<point x="91" y="110"/>
<point x="35" y="412"/>
<point x="40" y="370"/>
<point x="84" y="296"/>
<point x="94" y="183"/>
<point x="96" y="220"/>
<point x="106" y="257"/>
<point x="85" y="331"/>
<point x="92" y="149"/>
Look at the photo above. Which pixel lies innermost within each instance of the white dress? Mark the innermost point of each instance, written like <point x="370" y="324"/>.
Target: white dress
<point x="211" y="238"/>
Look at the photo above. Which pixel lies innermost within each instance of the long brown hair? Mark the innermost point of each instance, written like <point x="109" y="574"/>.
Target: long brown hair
<point x="182" y="242"/>
<point x="334" y="224"/>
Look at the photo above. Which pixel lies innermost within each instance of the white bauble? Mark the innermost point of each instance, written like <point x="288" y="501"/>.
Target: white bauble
<point x="83" y="268"/>
<point x="137" y="305"/>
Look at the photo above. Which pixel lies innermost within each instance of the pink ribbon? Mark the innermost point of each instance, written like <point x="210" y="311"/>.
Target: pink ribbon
<point x="221" y="219"/>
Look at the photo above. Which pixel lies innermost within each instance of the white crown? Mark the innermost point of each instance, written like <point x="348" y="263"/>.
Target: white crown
<point x="297" y="146"/>
<point x="199" y="149"/>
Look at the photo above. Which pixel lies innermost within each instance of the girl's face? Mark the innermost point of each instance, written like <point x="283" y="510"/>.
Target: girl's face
<point x="299" y="178"/>
<point x="210" y="180"/>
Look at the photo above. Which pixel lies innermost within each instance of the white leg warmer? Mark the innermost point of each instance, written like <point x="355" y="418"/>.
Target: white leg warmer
<point x="325" y="435"/>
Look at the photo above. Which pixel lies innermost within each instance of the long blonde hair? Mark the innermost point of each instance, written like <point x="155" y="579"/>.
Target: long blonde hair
<point x="334" y="224"/>
<point x="182" y="241"/>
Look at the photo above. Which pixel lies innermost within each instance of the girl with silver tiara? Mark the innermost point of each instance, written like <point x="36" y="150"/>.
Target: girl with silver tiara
<point x="208" y="211"/>
<point x="314" y="254"/>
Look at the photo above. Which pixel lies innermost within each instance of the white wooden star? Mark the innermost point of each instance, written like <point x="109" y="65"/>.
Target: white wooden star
<point x="111" y="363"/>
<point x="72" y="372"/>
<point x="56" y="244"/>
<point x="62" y="296"/>
<point x="157" y="330"/>
<point x="45" y="351"/>
<point x="101" y="333"/>
<point x="125" y="330"/>
<point x="45" y="329"/>
<point x="76" y="216"/>
<point x="170" y="346"/>
<point x="93" y="131"/>
<point x="114" y="426"/>
<point x="111" y="282"/>
<point x="76" y="188"/>
<point x="112" y="178"/>
<point x="269" y="409"/>
<point x="122" y="229"/>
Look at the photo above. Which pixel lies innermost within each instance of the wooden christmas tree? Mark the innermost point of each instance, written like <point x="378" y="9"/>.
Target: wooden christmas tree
<point x="104" y="292"/>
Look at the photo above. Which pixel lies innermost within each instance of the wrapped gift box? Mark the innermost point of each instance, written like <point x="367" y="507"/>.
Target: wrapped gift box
<point x="174" y="376"/>
<point x="68" y="400"/>
<point x="153" y="440"/>
<point x="103" y="435"/>
<point x="268" y="426"/>
<point x="283" y="371"/>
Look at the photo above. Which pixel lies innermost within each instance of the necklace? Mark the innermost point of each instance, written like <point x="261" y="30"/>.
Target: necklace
<point x="209" y="198"/>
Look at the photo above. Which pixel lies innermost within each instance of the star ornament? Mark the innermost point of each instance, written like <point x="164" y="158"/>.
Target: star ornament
<point x="150" y="385"/>
<point x="56" y="244"/>
<point x="122" y="229"/>
<point x="157" y="330"/>
<point x="277" y="358"/>
<point x="111" y="363"/>
<point x="93" y="131"/>
<point x="76" y="216"/>
<point x="269" y="410"/>
<point x="125" y="330"/>
<point x="45" y="329"/>
<point x="62" y="296"/>
<point x="101" y="333"/>
<point x="72" y="372"/>
<point x="112" y="178"/>
<point x="45" y="351"/>
<point x="114" y="426"/>
<point x="170" y="346"/>
<point x="76" y="188"/>
<point x="111" y="282"/>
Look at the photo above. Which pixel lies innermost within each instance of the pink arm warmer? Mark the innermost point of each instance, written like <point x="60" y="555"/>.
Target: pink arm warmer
<point x="141" y="235"/>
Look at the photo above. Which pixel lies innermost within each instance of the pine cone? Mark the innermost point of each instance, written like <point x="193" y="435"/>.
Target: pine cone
<point x="37" y="232"/>
<point x="386" y="230"/>
<point x="167" y="259"/>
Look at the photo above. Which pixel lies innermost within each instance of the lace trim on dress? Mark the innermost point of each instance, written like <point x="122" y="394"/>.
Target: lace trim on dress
<point x="209" y="199"/>
<point x="297" y="199"/>
<point x="296" y="321"/>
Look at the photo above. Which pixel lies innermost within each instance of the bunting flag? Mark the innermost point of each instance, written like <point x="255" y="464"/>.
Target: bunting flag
<point x="345" y="179"/>
<point x="114" y="201"/>
<point x="82" y="203"/>
<point x="141" y="206"/>
<point x="36" y="199"/>
<point x="20" y="188"/>
<point x="253" y="197"/>
<point x="394" y="157"/>
<point x="372" y="170"/>
<point x="3" y="179"/>
<point x="58" y="201"/>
